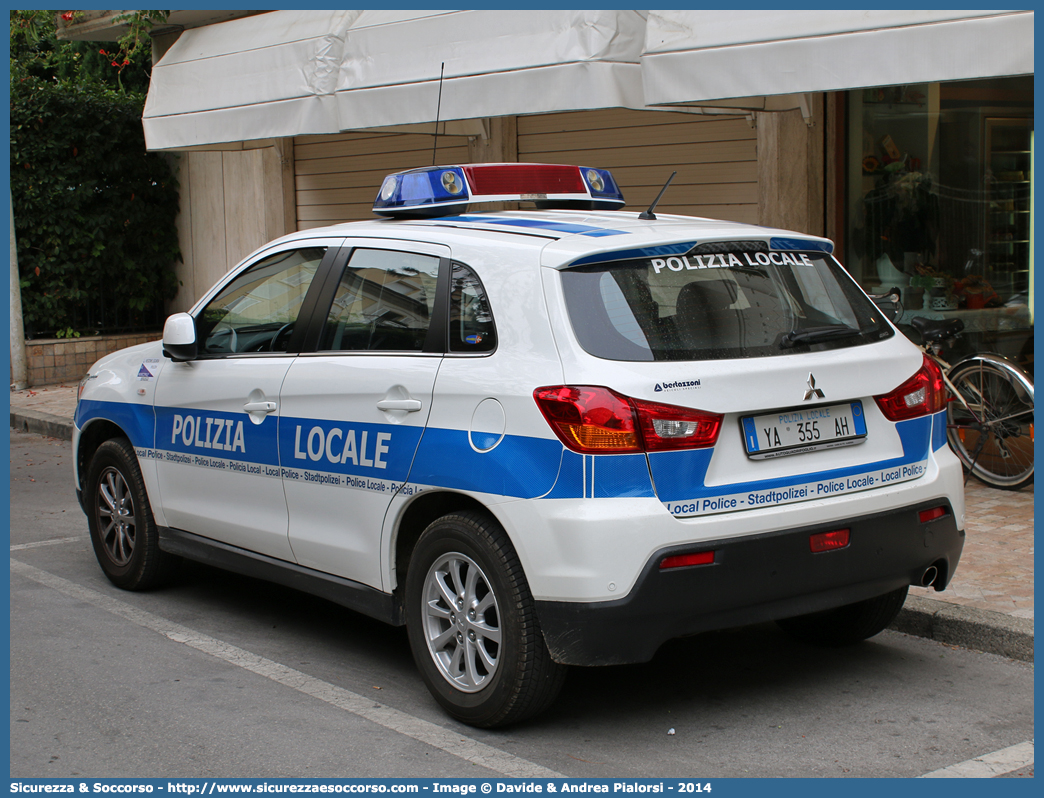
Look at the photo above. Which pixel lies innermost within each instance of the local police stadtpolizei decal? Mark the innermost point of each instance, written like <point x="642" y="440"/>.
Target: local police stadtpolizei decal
<point x="753" y="497"/>
<point x="677" y="385"/>
<point x="144" y="373"/>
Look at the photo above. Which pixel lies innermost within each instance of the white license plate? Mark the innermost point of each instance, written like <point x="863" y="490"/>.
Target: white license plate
<point x="804" y="429"/>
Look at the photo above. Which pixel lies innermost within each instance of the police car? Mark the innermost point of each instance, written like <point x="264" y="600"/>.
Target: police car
<point x="535" y="438"/>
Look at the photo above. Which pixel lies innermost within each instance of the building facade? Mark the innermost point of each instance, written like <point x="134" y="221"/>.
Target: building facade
<point x="906" y="136"/>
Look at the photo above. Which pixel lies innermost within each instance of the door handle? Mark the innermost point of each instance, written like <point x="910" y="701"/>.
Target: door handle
<point x="409" y="405"/>
<point x="260" y="407"/>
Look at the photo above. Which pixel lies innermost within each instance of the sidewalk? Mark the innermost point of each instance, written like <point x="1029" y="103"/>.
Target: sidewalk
<point x="988" y="605"/>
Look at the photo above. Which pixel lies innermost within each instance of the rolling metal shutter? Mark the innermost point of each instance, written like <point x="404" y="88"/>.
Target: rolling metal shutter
<point x="337" y="176"/>
<point x="715" y="156"/>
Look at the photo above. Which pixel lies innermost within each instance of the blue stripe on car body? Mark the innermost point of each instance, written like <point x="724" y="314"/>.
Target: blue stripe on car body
<point x="538" y="224"/>
<point x="938" y="431"/>
<point x="798" y="244"/>
<point x="137" y="421"/>
<point x="660" y="250"/>
<point x="518" y="467"/>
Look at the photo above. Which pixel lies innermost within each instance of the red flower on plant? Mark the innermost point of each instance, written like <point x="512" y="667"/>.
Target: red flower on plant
<point x="103" y="52"/>
<point x="68" y="15"/>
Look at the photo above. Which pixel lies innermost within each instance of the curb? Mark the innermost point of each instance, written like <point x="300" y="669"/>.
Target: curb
<point x="981" y="630"/>
<point x="52" y="426"/>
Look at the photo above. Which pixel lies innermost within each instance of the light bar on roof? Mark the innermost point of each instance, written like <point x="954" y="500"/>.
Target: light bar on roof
<point x="449" y="190"/>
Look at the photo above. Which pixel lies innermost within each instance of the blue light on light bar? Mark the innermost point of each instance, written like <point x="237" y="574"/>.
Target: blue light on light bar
<point x="600" y="183"/>
<point x="428" y="191"/>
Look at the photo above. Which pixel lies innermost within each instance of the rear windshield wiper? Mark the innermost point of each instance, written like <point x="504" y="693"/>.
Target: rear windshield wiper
<point x="813" y="334"/>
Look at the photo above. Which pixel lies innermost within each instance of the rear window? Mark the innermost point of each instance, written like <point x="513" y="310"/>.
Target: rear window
<point x="717" y="303"/>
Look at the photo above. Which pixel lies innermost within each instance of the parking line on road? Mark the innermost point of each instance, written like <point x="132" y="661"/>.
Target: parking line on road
<point x="447" y="740"/>
<point x="988" y="765"/>
<point x="51" y="542"/>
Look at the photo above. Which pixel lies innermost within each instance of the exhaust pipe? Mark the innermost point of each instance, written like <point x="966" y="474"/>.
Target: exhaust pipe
<point x="930" y="574"/>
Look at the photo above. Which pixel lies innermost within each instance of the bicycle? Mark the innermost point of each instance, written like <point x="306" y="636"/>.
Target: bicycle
<point x="989" y="415"/>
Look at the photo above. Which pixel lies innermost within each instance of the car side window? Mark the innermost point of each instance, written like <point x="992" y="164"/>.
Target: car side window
<point x="257" y="311"/>
<point x="384" y="302"/>
<point x="470" y="318"/>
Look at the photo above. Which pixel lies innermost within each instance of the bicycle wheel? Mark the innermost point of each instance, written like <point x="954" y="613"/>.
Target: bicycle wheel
<point x="993" y="435"/>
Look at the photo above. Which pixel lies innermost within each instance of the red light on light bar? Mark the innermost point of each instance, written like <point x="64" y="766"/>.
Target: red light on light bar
<point x="682" y="560"/>
<point x="828" y="541"/>
<point x="538" y="178"/>
<point x="930" y="515"/>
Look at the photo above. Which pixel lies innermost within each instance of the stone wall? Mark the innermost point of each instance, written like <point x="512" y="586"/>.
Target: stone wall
<point x="52" y="361"/>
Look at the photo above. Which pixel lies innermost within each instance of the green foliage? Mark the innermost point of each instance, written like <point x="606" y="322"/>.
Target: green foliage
<point x="125" y="65"/>
<point x="94" y="212"/>
<point x="135" y="45"/>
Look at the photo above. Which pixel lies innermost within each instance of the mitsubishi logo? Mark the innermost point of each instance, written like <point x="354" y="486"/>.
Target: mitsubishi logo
<point x="813" y="392"/>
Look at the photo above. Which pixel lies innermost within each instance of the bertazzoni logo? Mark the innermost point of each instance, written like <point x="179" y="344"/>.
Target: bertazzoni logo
<point x="679" y="385"/>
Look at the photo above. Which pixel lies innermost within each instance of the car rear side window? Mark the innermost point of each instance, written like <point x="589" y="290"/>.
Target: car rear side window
<point x="383" y="303"/>
<point x="471" y="326"/>
<point x="725" y="303"/>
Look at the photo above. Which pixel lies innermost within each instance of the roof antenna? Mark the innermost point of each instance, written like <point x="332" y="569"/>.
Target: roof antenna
<point x="649" y="215"/>
<point x="438" y="110"/>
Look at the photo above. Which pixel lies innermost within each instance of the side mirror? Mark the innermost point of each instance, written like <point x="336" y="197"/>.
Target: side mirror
<point x="179" y="338"/>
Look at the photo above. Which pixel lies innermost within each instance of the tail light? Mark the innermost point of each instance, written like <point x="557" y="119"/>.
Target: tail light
<point x="595" y="420"/>
<point x="666" y="427"/>
<point x="921" y="395"/>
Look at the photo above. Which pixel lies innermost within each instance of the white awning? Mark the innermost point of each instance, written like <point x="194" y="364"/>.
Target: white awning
<point x="266" y="76"/>
<point x="290" y="73"/>
<point x="497" y="63"/>
<point x="702" y="56"/>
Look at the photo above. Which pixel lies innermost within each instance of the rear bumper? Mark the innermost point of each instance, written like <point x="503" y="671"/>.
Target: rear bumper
<point x="754" y="579"/>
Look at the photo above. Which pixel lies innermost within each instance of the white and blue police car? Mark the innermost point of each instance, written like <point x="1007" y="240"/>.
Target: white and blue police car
<point x="535" y="438"/>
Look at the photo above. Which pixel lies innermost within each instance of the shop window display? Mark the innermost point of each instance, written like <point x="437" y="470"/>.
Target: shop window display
<point x="939" y="204"/>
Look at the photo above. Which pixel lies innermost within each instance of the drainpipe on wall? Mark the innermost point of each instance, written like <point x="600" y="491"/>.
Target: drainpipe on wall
<point x="19" y="372"/>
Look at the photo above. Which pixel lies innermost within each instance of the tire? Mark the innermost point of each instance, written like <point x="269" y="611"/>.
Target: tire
<point x="484" y="659"/>
<point x="846" y="625"/>
<point x="998" y="451"/>
<point x="119" y="515"/>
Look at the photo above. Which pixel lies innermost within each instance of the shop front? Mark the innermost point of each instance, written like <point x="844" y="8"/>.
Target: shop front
<point x="927" y="160"/>
<point x="938" y="202"/>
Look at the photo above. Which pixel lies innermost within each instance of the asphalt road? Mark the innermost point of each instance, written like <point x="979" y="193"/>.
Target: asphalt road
<point x="222" y="676"/>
